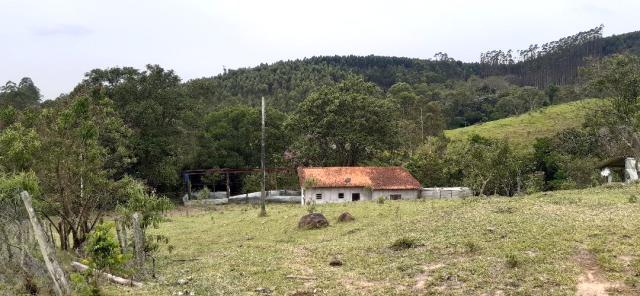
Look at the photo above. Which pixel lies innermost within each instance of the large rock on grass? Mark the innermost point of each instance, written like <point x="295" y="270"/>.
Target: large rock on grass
<point x="313" y="221"/>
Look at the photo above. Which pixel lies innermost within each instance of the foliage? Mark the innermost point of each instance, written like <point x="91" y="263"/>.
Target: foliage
<point x="103" y="250"/>
<point x="84" y="149"/>
<point x="136" y="198"/>
<point x="344" y="125"/>
<point x="21" y="95"/>
<point x="618" y="79"/>
<point x="203" y="194"/>
<point x="231" y="138"/>
<point x="19" y="146"/>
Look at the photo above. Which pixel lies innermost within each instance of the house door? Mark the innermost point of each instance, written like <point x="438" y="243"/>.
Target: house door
<point x="355" y="196"/>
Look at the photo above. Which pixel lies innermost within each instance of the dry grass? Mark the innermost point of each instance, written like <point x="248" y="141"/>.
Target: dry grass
<point x="463" y="247"/>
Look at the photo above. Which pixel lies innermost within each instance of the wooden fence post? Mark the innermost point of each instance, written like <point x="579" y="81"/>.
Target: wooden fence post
<point x="138" y="242"/>
<point x="60" y="283"/>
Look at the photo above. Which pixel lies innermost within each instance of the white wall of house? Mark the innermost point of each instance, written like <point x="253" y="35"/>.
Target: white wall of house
<point x="404" y="194"/>
<point x="333" y="194"/>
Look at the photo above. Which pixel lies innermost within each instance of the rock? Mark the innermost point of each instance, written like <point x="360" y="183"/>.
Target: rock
<point x="345" y="217"/>
<point x="335" y="262"/>
<point x="184" y="281"/>
<point x="266" y="291"/>
<point x="313" y="221"/>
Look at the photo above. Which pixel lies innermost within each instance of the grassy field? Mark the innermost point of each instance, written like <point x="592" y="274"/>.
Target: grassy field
<point x="543" y="244"/>
<point x="522" y="130"/>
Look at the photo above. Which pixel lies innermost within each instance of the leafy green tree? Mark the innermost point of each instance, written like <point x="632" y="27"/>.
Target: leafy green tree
<point x="19" y="146"/>
<point x="231" y="137"/>
<point x="153" y="104"/>
<point x="618" y="79"/>
<point x="345" y="124"/>
<point x="84" y="150"/>
<point x="21" y="95"/>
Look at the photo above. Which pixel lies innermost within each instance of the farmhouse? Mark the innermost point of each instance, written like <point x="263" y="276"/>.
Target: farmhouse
<point x="342" y="184"/>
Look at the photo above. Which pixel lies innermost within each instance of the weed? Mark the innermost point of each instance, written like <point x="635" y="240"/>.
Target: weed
<point x="404" y="243"/>
<point x="380" y="200"/>
<point x="513" y="260"/>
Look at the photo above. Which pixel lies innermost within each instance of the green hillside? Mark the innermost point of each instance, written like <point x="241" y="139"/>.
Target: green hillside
<point x="523" y="129"/>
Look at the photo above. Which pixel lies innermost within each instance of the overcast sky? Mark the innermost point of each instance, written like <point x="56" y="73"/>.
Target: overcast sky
<point x="56" y="42"/>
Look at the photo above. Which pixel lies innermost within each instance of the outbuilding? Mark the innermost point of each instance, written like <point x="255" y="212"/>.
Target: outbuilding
<point x="625" y="167"/>
<point x="344" y="184"/>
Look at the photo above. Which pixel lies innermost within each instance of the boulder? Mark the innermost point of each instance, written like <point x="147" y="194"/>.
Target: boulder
<point x="345" y="217"/>
<point x="313" y="221"/>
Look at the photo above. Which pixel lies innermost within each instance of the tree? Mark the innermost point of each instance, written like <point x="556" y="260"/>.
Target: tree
<point x="231" y="137"/>
<point x="618" y="79"/>
<point x="153" y="104"/>
<point x="345" y="124"/>
<point x="19" y="96"/>
<point x="83" y="152"/>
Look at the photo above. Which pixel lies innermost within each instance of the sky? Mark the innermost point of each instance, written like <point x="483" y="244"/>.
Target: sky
<point x="55" y="42"/>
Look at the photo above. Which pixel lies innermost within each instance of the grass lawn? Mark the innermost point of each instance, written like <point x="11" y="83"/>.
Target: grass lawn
<point x="522" y="130"/>
<point x="542" y="244"/>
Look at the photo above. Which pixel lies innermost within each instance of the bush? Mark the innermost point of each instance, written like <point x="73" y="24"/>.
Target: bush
<point x="633" y="198"/>
<point x="380" y="200"/>
<point x="203" y="194"/>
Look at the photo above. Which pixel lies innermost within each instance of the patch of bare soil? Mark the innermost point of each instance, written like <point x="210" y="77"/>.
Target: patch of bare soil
<point x="592" y="282"/>
<point x="423" y="277"/>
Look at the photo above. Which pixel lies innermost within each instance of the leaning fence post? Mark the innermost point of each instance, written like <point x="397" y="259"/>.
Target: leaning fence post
<point x="138" y="241"/>
<point x="60" y="284"/>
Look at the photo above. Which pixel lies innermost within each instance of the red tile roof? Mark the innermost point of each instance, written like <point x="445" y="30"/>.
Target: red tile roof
<point x="379" y="178"/>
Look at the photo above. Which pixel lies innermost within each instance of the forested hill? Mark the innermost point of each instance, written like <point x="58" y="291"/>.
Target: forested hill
<point x="288" y="82"/>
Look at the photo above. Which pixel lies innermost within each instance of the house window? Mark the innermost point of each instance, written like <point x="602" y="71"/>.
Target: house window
<point x="318" y="195"/>
<point x="355" y="196"/>
<point x="340" y="195"/>
<point x="395" y="196"/>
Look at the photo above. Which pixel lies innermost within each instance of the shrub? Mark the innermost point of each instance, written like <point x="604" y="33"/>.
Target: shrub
<point x="380" y="199"/>
<point x="633" y="198"/>
<point x="203" y="194"/>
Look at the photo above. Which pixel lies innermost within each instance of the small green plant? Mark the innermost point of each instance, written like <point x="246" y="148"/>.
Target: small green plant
<point x="380" y="200"/>
<point x="311" y="207"/>
<point x="512" y="260"/>
<point x="203" y="194"/>
<point x="404" y="243"/>
<point x="633" y="198"/>
<point x="471" y="246"/>
<point x="103" y="254"/>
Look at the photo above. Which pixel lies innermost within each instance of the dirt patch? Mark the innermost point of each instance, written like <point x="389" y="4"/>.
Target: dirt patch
<point x="592" y="282"/>
<point x="423" y="277"/>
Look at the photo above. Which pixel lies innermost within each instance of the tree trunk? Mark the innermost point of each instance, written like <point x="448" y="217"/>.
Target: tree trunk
<point x="61" y="285"/>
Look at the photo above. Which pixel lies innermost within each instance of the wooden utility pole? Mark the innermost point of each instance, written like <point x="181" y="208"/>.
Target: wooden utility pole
<point x="60" y="283"/>
<point x="263" y="195"/>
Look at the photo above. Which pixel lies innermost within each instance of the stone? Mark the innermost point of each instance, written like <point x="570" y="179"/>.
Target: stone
<point x="345" y="217"/>
<point x="313" y="221"/>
